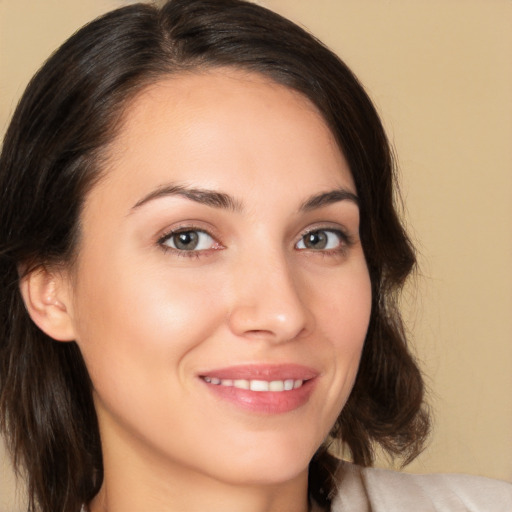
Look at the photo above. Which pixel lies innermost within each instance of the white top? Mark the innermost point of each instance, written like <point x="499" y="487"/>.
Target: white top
<point x="379" y="490"/>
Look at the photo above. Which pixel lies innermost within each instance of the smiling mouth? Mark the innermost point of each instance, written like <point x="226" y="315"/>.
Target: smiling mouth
<point x="266" y="389"/>
<point x="257" y="384"/>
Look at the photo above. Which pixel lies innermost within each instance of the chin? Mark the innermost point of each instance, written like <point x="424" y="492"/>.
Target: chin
<point x="269" y="474"/>
<point x="261" y="464"/>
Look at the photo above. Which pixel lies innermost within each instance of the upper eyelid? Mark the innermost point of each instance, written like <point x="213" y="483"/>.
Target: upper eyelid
<point x="330" y="229"/>
<point x="184" y="227"/>
<point x="337" y="229"/>
<point x="173" y="232"/>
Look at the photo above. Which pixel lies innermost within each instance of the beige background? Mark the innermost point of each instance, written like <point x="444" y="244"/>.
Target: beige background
<point x="440" y="72"/>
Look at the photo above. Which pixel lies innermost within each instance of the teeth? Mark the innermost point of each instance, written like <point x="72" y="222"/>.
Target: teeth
<point x="239" y="383"/>
<point x="276" y="385"/>
<point x="257" y="385"/>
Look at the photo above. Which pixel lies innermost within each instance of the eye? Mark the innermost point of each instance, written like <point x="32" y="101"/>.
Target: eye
<point x="188" y="240"/>
<point x="322" y="240"/>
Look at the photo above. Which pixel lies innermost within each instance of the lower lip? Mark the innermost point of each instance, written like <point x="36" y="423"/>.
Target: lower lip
<point x="266" y="402"/>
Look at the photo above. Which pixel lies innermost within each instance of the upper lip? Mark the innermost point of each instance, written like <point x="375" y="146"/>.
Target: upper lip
<point x="268" y="372"/>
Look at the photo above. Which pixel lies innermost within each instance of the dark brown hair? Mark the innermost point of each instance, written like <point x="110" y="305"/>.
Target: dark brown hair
<point x="51" y="157"/>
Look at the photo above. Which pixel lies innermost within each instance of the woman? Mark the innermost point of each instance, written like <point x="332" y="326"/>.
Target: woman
<point x="200" y="260"/>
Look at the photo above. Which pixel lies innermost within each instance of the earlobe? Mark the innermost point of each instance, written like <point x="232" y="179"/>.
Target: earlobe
<point x="47" y="300"/>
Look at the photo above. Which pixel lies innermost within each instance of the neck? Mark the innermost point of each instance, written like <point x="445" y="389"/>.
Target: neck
<point x="198" y="499"/>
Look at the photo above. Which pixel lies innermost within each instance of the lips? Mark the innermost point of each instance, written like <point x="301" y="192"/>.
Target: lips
<point x="269" y="389"/>
<point x="268" y="372"/>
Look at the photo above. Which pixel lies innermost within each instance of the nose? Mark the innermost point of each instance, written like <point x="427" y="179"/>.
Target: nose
<point x="268" y="300"/>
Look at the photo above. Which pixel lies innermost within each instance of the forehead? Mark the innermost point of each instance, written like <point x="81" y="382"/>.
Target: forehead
<point x="224" y="84"/>
<point x="221" y="127"/>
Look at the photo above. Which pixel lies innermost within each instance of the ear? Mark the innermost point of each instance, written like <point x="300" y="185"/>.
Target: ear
<point x="47" y="297"/>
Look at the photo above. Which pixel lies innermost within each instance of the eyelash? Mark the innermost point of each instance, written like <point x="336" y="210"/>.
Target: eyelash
<point x="190" y="253"/>
<point x="345" y="242"/>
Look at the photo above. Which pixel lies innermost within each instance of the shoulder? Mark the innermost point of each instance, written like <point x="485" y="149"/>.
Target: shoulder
<point x="379" y="490"/>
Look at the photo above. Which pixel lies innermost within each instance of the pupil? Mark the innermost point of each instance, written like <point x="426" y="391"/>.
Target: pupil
<point x="187" y="240"/>
<point x="317" y="240"/>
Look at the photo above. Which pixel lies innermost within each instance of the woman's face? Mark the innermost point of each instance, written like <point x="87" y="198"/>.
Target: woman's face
<point x="221" y="252"/>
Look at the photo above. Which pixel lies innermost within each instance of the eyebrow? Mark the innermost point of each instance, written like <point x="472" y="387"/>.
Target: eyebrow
<point x="199" y="195"/>
<point x="225" y="201"/>
<point x="327" y="198"/>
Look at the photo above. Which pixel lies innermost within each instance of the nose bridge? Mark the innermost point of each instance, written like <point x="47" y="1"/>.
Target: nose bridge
<point x="267" y="297"/>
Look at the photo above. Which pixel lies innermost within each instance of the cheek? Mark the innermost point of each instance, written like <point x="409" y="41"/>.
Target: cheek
<point x="343" y="306"/>
<point x="138" y="336"/>
<point x="342" y="314"/>
<point x="138" y="323"/>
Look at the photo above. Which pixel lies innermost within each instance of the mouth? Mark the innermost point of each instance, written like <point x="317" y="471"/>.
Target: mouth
<point x="268" y="389"/>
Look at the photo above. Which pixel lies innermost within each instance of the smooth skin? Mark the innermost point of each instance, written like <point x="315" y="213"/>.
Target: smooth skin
<point x="201" y="248"/>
